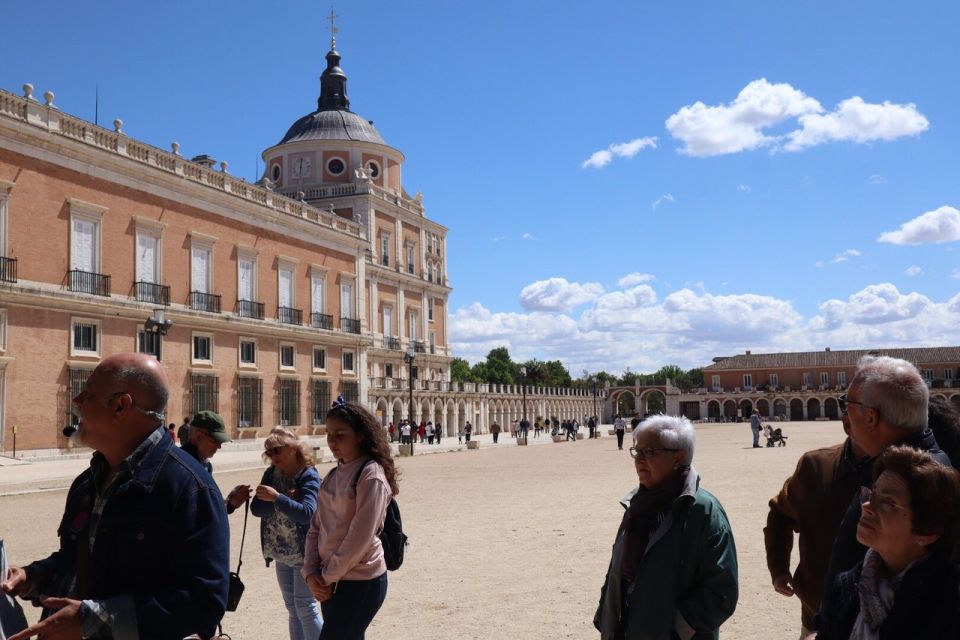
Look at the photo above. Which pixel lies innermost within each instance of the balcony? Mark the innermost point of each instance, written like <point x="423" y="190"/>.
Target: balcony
<point x="8" y="269"/>
<point x="289" y="315"/>
<point x="200" y="301"/>
<point x="350" y="325"/>
<point x="321" y="321"/>
<point x="87" y="282"/>
<point x="152" y="293"/>
<point x="250" y="309"/>
<point x="390" y="342"/>
<point x="418" y="346"/>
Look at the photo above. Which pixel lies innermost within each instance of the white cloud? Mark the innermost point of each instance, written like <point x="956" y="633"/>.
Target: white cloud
<point x="527" y="236"/>
<point x="955" y="274"/>
<point x="557" y="294"/>
<point x="818" y="264"/>
<point x="933" y="227"/>
<point x="738" y="125"/>
<point x="876" y="304"/>
<point x="743" y="188"/>
<point x="876" y="179"/>
<point x="635" y="278"/>
<point x="620" y="150"/>
<point x="857" y="121"/>
<point x="913" y="270"/>
<point x="742" y="125"/>
<point x="846" y="255"/>
<point x="667" y="197"/>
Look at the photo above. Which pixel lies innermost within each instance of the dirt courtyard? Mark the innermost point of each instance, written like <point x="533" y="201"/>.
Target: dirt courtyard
<point x="508" y="542"/>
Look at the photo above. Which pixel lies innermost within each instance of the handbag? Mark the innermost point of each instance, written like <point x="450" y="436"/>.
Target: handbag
<point x="236" y="584"/>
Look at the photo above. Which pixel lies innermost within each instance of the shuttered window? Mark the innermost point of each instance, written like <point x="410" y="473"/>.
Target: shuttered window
<point x="200" y="269"/>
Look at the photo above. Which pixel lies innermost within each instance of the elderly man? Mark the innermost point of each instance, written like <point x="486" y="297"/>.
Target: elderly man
<point x="143" y="539"/>
<point x="207" y="434"/>
<point x="885" y="405"/>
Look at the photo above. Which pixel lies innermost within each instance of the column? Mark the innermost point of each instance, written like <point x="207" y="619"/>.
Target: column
<point x="374" y="307"/>
<point x="424" y="323"/>
<point x="444" y="260"/>
<point x="400" y="311"/>
<point x="398" y="242"/>
<point x="361" y="283"/>
<point x="423" y="253"/>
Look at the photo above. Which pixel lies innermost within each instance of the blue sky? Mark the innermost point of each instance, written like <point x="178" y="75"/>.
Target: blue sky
<point x="758" y="152"/>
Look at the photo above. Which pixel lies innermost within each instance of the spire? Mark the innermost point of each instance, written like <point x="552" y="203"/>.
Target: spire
<point x="333" y="81"/>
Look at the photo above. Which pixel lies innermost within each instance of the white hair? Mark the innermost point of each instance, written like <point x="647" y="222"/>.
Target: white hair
<point x="673" y="432"/>
<point x="895" y="389"/>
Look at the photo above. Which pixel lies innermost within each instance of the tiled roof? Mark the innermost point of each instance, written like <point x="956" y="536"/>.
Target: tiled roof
<point x="921" y="355"/>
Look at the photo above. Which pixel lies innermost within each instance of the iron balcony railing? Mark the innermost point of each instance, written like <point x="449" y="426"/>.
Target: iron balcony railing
<point x="250" y="309"/>
<point x="321" y="320"/>
<point x="391" y="343"/>
<point x="8" y="269"/>
<point x="200" y="301"/>
<point x="152" y="293"/>
<point x="350" y="325"/>
<point x="418" y="346"/>
<point x="289" y="315"/>
<point x="87" y="282"/>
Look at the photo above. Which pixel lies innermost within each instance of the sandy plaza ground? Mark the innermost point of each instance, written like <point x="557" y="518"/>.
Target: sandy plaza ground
<point x="509" y="542"/>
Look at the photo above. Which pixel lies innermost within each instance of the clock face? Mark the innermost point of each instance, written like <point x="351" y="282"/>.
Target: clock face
<point x="301" y="167"/>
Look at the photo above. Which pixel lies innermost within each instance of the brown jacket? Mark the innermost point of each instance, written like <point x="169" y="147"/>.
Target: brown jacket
<point x="812" y="503"/>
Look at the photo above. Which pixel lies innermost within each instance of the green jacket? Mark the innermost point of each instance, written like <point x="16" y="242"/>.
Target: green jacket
<point x="687" y="585"/>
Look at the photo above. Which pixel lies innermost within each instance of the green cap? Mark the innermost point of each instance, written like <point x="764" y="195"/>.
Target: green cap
<point x="212" y="423"/>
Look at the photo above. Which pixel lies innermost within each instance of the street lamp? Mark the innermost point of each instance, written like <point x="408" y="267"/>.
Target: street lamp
<point x="596" y="420"/>
<point x="158" y="325"/>
<point x="523" y="388"/>
<point x="409" y="357"/>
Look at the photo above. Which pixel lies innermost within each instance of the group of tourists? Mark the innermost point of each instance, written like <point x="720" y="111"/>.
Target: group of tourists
<point x="144" y="538"/>
<point x="424" y="432"/>
<point x="878" y="519"/>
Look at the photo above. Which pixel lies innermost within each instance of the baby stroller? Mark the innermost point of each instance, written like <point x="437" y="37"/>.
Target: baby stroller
<point x="774" y="436"/>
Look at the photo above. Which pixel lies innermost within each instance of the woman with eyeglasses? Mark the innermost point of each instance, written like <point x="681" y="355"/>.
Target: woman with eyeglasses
<point x="285" y="501"/>
<point x="907" y="584"/>
<point x="673" y="570"/>
<point x="344" y="564"/>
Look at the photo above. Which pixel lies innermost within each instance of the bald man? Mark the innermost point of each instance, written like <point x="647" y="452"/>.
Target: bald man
<point x="144" y="544"/>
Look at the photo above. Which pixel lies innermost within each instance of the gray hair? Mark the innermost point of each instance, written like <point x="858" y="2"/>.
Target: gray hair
<point x="674" y="432"/>
<point x="896" y="389"/>
<point x="146" y="386"/>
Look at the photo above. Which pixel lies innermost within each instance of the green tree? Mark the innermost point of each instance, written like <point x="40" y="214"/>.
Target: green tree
<point x="500" y="369"/>
<point x="460" y="371"/>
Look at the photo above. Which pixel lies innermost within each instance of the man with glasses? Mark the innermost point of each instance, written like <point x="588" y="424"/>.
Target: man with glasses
<point x="208" y="433"/>
<point x="143" y="540"/>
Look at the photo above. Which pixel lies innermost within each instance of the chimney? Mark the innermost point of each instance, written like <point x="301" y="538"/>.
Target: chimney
<point x="748" y="351"/>
<point x="827" y="349"/>
<point x="204" y="161"/>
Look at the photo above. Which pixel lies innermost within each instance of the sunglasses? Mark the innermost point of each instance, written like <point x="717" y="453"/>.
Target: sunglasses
<point x="274" y="451"/>
<point x="843" y="402"/>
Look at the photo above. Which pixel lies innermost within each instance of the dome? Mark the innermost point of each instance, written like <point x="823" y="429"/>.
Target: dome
<point x="333" y="124"/>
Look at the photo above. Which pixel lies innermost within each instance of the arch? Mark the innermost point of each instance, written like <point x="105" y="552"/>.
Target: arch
<point x="713" y="409"/>
<point x="763" y="406"/>
<point x="813" y="408"/>
<point x="746" y="408"/>
<point x="652" y="401"/>
<point x="796" y="409"/>
<point x="780" y="408"/>
<point x="623" y="401"/>
<point x="397" y="411"/>
<point x="426" y="410"/>
<point x="955" y="401"/>
<point x="438" y="413"/>
<point x="382" y="410"/>
<point x="729" y="409"/>
<point x="462" y="414"/>
<point x="831" y="408"/>
<point x="451" y="418"/>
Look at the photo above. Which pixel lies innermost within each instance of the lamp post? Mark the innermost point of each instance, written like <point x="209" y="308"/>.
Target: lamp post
<point x="596" y="420"/>
<point x="409" y="357"/>
<point x="158" y="325"/>
<point x="523" y="388"/>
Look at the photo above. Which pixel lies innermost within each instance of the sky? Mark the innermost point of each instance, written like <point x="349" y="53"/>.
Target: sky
<point x="626" y="184"/>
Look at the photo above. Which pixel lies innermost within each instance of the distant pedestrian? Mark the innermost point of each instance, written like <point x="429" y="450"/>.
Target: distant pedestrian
<point x="438" y="431"/>
<point x="755" y="428"/>
<point x="459" y="436"/>
<point x="524" y="428"/>
<point x="422" y="431"/>
<point x="537" y="428"/>
<point x="495" y="430"/>
<point x="183" y="433"/>
<point x="592" y="427"/>
<point x="430" y="433"/>
<point x="392" y="429"/>
<point x="620" y="428"/>
<point x="172" y="431"/>
<point x="467" y="430"/>
<point x="405" y="432"/>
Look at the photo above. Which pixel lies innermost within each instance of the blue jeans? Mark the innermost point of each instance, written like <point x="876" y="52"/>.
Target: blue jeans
<point x="756" y="437"/>
<point x="304" y="617"/>
<point x="348" y="613"/>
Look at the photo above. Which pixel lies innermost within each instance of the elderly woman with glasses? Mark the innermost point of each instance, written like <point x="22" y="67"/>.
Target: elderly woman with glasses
<point x="285" y="501"/>
<point x="673" y="570"/>
<point x="907" y="584"/>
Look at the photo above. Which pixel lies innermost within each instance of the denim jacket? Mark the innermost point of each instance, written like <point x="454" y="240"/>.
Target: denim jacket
<point x="287" y="520"/>
<point x="159" y="562"/>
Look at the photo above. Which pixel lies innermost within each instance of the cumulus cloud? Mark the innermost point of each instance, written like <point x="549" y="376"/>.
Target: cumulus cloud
<point x="743" y="188"/>
<point x="527" y="236"/>
<point x="845" y="255"/>
<point x="557" y="294"/>
<point x="876" y="304"/>
<point x="857" y="121"/>
<point x="933" y="227"/>
<point x="743" y="124"/>
<point x="876" y="179"/>
<point x="635" y="278"/>
<point x="603" y="157"/>
<point x="913" y="270"/>
<point x="667" y="197"/>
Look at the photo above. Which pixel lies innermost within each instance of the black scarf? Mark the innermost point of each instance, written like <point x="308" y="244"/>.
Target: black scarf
<point x="646" y="505"/>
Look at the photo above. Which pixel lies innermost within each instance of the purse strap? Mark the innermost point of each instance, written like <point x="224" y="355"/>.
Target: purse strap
<point x="243" y="537"/>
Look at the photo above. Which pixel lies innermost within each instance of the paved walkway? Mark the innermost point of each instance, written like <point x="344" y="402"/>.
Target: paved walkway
<point x="21" y="475"/>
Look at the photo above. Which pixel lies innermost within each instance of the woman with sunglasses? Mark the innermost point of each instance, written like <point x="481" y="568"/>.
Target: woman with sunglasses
<point x="285" y="501"/>
<point x="673" y="570"/>
<point x="344" y="564"/>
<point x="907" y="584"/>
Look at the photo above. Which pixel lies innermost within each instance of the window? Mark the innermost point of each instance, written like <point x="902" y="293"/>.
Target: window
<point x="348" y="362"/>
<point x="85" y="340"/>
<point x="288" y="402"/>
<point x="3" y="329"/>
<point x="387" y="321"/>
<point x="287" y="353"/>
<point x="204" y="393"/>
<point x="842" y="378"/>
<point x="433" y="341"/>
<point x="774" y="380"/>
<point x="947" y="373"/>
<point x="373" y="168"/>
<point x="202" y="348"/>
<point x="715" y="382"/>
<point x="346" y="299"/>
<point x="388" y="370"/>
<point x="77" y="383"/>
<point x="276" y="173"/>
<point x="928" y="374"/>
<point x="319" y="359"/>
<point x="249" y="402"/>
<point x="414" y="317"/>
<point x="336" y="166"/>
<point x="430" y="304"/>
<point x="247" y="278"/>
<point x="807" y="379"/>
<point x="148" y="342"/>
<point x="748" y="380"/>
<point x="4" y="200"/>
<point x="285" y="287"/>
<point x="148" y="257"/>
<point x="410" y="257"/>
<point x="351" y="391"/>
<point x="321" y="400"/>
<point x="200" y="258"/>
<point x="85" y="237"/>
<point x="824" y="378"/>
<point x="248" y="352"/>
<point x="318" y="291"/>
<point x="385" y="249"/>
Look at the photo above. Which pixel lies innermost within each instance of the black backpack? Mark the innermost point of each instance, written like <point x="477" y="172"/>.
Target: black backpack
<point x="392" y="537"/>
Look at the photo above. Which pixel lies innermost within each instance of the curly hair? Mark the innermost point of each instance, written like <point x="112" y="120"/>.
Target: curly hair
<point x="281" y="437"/>
<point x="373" y="441"/>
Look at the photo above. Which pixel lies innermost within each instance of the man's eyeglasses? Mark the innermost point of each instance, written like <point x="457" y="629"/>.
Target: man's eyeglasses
<point x="274" y="451"/>
<point x="647" y="452"/>
<point x="879" y="502"/>
<point x="843" y="401"/>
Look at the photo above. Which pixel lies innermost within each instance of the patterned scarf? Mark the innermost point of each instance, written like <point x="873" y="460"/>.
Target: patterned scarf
<point x="643" y="514"/>
<point x="878" y="591"/>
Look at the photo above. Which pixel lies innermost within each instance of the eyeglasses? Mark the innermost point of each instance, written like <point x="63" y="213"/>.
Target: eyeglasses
<point x="648" y="452"/>
<point x="274" y="451"/>
<point x="843" y="402"/>
<point x="879" y="502"/>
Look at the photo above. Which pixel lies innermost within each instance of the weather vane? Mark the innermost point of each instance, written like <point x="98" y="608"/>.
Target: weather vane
<point x="333" y="28"/>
